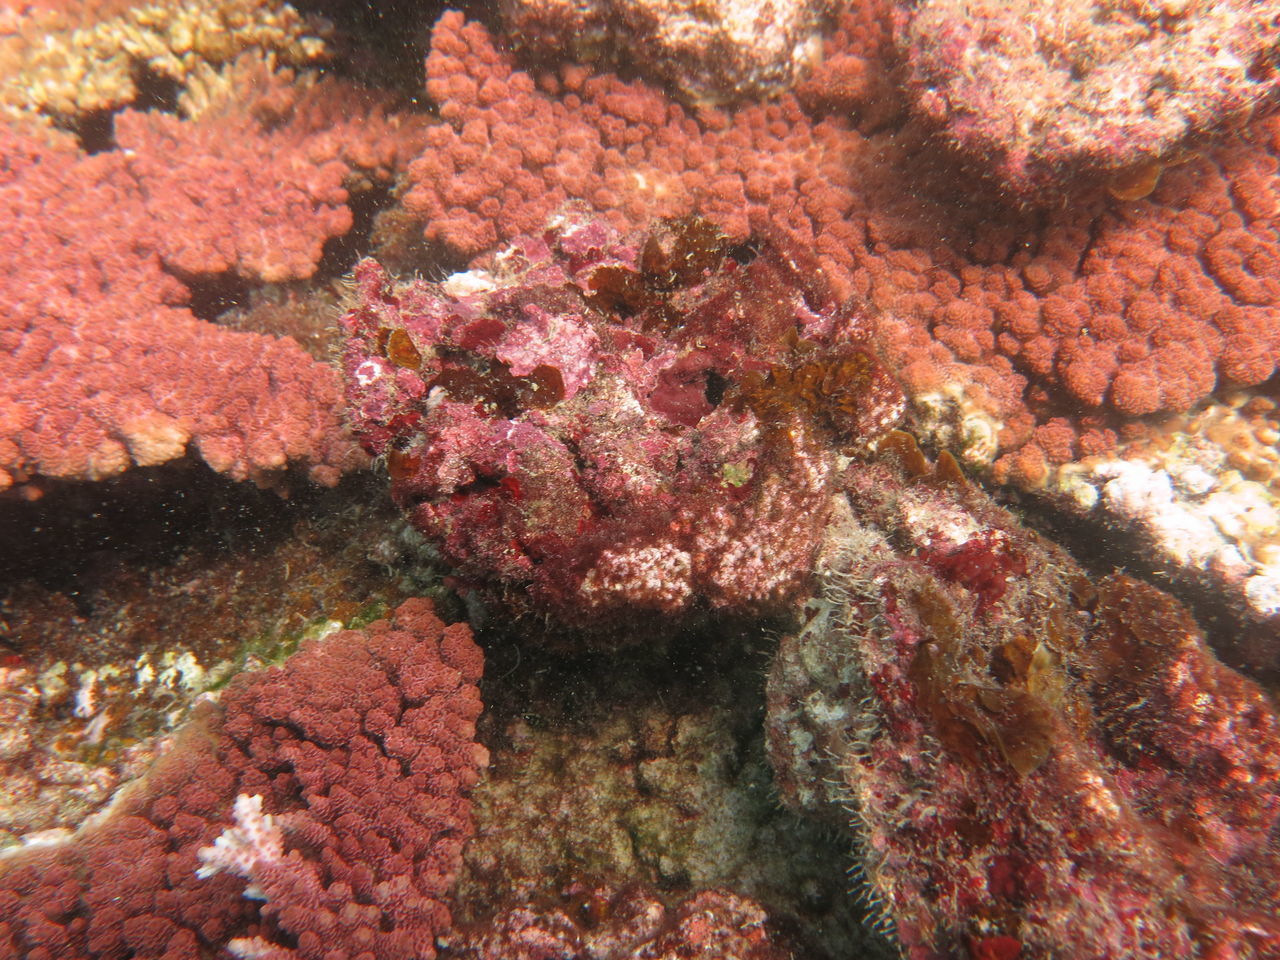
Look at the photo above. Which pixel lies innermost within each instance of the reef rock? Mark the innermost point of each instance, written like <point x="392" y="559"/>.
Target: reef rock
<point x="605" y="427"/>
<point x="1037" y="764"/>
<point x="1033" y="90"/>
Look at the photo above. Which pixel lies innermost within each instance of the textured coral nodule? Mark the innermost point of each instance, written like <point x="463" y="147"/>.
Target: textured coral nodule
<point x="1037" y="91"/>
<point x="605" y="425"/>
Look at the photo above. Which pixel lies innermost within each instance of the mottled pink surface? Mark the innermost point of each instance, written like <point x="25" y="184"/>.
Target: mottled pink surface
<point x="1033" y="764"/>
<point x="103" y="365"/>
<point x="1036" y="91"/>
<point x="671" y="450"/>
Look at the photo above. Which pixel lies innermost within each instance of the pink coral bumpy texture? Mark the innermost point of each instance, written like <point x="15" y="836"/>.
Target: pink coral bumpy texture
<point x="348" y="769"/>
<point x="102" y="363"/>
<point x="1064" y="326"/>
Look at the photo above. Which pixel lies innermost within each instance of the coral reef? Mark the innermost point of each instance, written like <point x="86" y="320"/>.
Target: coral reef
<point x="253" y="177"/>
<point x="853" y="78"/>
<point x="71" y="59"/>
<point x="103" y="365"/>
<point x="724" y="51"/>
<point x="605" y="426"/>
<point x="600" y="922"/>
<point x="1036" y="763"/>
<point x="1027" y="341"/>
<point x="332" y="745"/>
<point x="1032" y="337"/>
<point x="624" y="148"/>
<point x="1038" y="92"/>
<point x="638" y="403"/>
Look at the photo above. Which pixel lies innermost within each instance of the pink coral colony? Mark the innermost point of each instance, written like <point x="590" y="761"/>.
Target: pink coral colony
<point x="650" y="360"/>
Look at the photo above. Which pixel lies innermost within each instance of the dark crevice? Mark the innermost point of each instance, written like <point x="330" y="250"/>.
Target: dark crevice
<point x="717" y="386"/>
<point x="212" y="296"/>
<point x="378" y="43"/>
<point x="1095" y="234"/>
<point x="744" y="252"/>
<point x="145" y="517"/>
<point x="96" y="131"/>
<point x="341" y="253"/>
<point x="379" y="741"/>
<point x="575" y="450"/>
<point x="155" y="91"/>
<point x="479" y="485"/>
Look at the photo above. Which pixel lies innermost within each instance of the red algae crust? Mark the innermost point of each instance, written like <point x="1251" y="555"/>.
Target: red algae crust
<point x="1036" y="92"/>
<point x="1037" y="763"/>
<point x="604" y="426"/>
